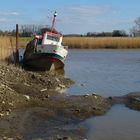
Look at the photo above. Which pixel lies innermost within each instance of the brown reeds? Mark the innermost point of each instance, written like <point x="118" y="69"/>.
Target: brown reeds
<point x="102" y="42"/>
<point x="7" y="46"/>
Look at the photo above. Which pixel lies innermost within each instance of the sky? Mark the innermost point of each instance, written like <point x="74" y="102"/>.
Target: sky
<point x="74" y="16"/>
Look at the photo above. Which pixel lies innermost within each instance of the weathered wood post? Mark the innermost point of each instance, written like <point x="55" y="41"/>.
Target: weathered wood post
<point x="17" y="44"/>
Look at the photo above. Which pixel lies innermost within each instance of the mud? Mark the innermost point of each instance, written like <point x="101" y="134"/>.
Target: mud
<point x="33" y="108"/>
<point x="131" y="100"/>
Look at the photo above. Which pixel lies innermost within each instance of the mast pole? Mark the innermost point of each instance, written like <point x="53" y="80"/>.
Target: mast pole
<point x="55" y="14"/>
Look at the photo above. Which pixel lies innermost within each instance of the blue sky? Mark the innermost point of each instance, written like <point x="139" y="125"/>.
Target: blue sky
<point x="74" y="16"/>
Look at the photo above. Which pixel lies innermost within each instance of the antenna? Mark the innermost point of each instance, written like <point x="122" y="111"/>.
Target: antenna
<point x="55" y="14"/>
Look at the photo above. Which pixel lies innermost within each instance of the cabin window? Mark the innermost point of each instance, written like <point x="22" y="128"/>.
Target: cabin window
<point x="53" y="38"/>
<point x="39" y="41"/>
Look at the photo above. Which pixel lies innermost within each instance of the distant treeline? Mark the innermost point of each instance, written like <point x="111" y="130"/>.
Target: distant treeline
<point x="28" y="30"/>
<point x="31" y="30"/>
<point x="115" y="33"/>
<point x="7" y="33"/>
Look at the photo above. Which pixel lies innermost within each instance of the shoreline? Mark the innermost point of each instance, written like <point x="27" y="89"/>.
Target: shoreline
<point x="8" y="43"/>
<point x="30" y="108"/>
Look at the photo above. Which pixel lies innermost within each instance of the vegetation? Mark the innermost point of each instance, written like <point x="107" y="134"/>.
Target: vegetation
<point x="115" y="39"/>
<point x="135" y="31"/>
<point x="5" y="47"/>
<point x="27" y="30"/>
<point x="8" y="45"/>
<point x="102" y="42"/>
<point x="23" y="41"/>
<point x="115" y="33"/>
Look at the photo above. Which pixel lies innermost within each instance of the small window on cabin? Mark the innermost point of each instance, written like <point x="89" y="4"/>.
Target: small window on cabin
<point x="39" y="41"/>
<point x="53" y="38"/>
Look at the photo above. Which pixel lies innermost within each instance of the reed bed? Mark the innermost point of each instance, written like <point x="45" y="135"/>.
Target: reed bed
<point x="7" y="46"/>
<point x="102" y="42"/>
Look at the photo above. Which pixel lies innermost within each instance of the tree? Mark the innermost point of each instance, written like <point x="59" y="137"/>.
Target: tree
<point x="119" y="33"/>
<point x="135" y="31"/>
<point x="31" y="30"/>
<point x="115" y="33"/>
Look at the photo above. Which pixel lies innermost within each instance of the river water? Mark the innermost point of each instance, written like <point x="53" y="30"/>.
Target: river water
<point x="107" y="73"/>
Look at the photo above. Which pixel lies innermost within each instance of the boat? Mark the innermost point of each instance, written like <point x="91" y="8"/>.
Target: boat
<point x="45" y="51"/>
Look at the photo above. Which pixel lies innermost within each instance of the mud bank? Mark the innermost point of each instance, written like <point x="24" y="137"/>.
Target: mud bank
<point x="131" y="100"/>
<point x="31" y="106"/>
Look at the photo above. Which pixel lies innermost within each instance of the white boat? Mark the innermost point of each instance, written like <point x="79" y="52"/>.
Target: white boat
<point x="46" y="52"/>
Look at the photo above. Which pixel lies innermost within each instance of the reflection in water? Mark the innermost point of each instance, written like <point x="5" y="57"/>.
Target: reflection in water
<point x="120" y="123"/>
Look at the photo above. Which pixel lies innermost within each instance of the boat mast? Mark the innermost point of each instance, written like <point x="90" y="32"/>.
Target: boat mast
<point x="55" y="14"/>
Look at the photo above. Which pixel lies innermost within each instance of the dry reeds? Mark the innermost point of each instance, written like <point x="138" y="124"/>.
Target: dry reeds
<point x="102" y="42"/>
<point x="7" y="46"/>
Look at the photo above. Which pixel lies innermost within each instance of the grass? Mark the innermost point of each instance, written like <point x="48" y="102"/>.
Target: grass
<point x="102" y="42"/>
<point x="23" y="41"/>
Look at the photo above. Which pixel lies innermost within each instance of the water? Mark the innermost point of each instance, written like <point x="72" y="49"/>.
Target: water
<point x="107" y="73"/>
<point x="119" y="123"/>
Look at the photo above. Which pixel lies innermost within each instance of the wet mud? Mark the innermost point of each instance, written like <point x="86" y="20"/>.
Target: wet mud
<point x="32" y="106"/>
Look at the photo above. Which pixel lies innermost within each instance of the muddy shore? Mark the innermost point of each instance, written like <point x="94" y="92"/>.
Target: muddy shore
<point x="32" y="106"/>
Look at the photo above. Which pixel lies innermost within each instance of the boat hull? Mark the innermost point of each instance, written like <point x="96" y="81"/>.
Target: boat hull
<point x="43" y="62"/>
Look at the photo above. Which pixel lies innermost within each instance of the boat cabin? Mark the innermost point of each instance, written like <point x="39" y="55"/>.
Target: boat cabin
<point x="48" y="43"/>
<point x="50" y="38"/>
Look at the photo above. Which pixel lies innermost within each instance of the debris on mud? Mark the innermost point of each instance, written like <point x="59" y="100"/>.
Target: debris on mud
<point x="31" y="106"/>
<point x="133" y="100"/>
<point x="17" y="85"/>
